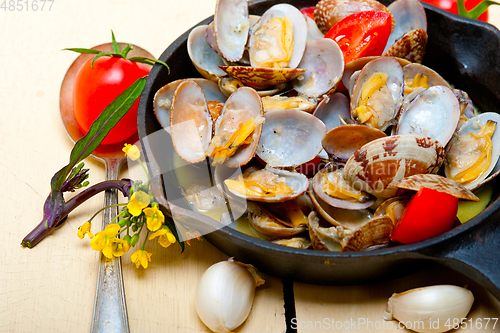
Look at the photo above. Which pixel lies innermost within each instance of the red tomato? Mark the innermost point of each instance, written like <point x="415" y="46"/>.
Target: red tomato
<point x="427" y="214"/>
<point x="96" y="87"/>
<point x="451" y="6"/>
<point x="362" y="34"/>
<point x="308" y="11"/>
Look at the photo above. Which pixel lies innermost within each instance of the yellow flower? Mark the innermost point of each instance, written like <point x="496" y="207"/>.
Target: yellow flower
<point x="131" y="151"/>
<point x="141" y="258"/>
<point x="106" y="240"/>
<point x="138" y="201"/>
<point x="85" y="229"/>
<point x="120" y="248"/>
<point x="166" y="237"/>
<point x="154" y="218"/>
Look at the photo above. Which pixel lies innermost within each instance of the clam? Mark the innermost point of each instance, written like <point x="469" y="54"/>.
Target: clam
<point x="435" y="182"/>
<point x="190" y="122"/>
<point x="374" y="166"/>
<point x="371" y="235"/>
<point x="409" y="15"/>
<point x="393" y="208"/>
<point x="355" y="66"/>
<point x="238" y="128"/>
<point x="295" y="242"/>
<point x="325" y="64"/>
<point x="262" y="77"/>
<point x="228" y="85"/>
<point x="472" y="154"/>
<point x="203" y="57"/>
<point x="290" y="138"/>
<point x="333" y="110"/>
<point x="466" y="107"/>
<point x="420" y="76"/>
<point x="434" y="113"/>
<point x="266" y="224"/>
<point x="163" y="98"/>
<point x="231" y="28"/>
<point x="378" y="93"/>
<point x="277" y="102"/>
<point x="411" y="46"/>
<point x="330" y="185"/>
<point x="342" y="141"/>
<point x="278" y="39"/>
<point x="268" y="185"/>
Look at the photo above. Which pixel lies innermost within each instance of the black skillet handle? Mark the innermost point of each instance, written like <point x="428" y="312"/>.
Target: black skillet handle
<point x="475" y="254"/>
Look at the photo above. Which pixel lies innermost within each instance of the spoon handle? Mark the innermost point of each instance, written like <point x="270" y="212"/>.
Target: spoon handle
<point x="110" y="310"/>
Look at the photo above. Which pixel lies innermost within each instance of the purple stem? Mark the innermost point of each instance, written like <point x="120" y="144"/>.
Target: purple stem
<point x="55" y="210"/>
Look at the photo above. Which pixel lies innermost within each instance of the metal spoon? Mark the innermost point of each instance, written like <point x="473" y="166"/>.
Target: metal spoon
<point x="110" y="310"/>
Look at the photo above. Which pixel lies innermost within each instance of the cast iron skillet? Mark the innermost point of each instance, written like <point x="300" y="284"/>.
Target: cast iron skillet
<point x="463" y="51"/>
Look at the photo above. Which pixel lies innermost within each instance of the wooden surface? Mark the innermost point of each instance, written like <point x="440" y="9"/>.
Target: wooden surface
<point x="51" y="288"/>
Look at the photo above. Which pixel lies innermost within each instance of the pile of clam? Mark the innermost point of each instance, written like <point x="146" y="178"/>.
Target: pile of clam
<point x="277" y="98"/>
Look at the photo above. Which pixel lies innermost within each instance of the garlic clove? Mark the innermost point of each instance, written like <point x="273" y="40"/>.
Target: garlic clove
<point x="430" y="309"/>
<point x="225" y="293"/>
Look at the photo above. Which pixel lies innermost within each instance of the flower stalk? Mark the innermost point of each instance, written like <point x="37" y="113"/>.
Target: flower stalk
<point x="55" y="209"/>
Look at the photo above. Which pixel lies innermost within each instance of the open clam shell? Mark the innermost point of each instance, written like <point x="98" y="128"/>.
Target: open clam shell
<point x="228" y="85"/>
<point x="290" y="138"/>
<point x="342" y="141"/>
<point x="277" y="102"/>
<point x="295" y="242"/>
<point x="262" y="77"/>
<point x="371" y="235"/>
<point x="349" y="219"/>
<point x="265" y="45"/>
<point x="334" y="175"/>
<point x="231" y="28"/>
<point x="163" y="98"/>
<point x="356" y="65"/>
<point x="411" y="46"/>
<point x="463" y="151"/>
<point x="409" y="15"/>
<point x="296" y="181"/>
<point x="203" y="57"/>
<point x="410" y="71"/>
<point x="324" y="62"/>
<point x="190" y="122"/>
<point x="435" y="113"/>
<point x="241" y="105"/>
<point x="332" y="108"/>
<point x="435" y="182"/>
<point x="263" y="222"/>
<point x="378" y="163"/>
<point x="377" y="94"/>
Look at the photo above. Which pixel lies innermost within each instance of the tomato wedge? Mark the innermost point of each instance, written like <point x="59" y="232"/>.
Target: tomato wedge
<point x="427" y="214"/>
<point x="362" y="34"/>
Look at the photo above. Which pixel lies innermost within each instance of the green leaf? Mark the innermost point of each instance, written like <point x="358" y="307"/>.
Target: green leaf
<point x="104" y="53"/>
<point x="99" y="129"/>
<point x="126" y="50"/>
<point x="83" y="51"/>
<point x="116" y="48"/>
<point x="146" y="60"/>
<point x="475" y="12"/>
